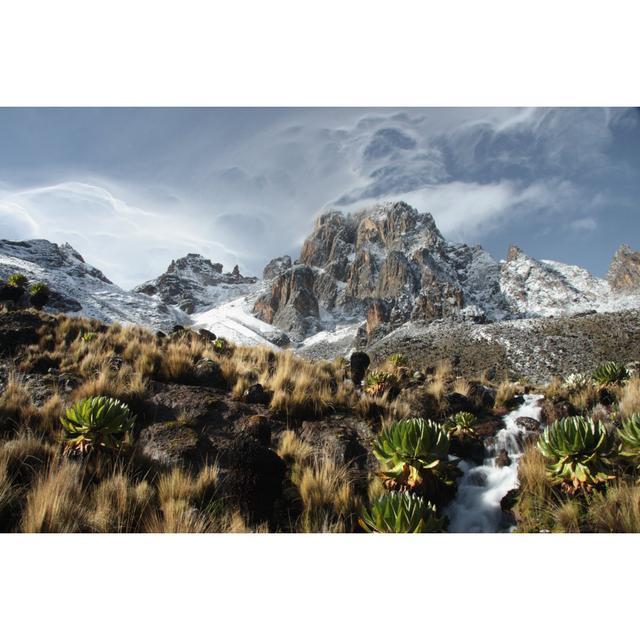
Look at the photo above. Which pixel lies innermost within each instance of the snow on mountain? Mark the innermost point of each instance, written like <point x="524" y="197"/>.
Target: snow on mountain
<point x="539" y="288"/>
<point x="193" y="283"/>
<point x="79" y="288"/>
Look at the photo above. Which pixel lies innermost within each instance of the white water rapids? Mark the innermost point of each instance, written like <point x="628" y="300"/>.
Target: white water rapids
<point x="476" y="507"/>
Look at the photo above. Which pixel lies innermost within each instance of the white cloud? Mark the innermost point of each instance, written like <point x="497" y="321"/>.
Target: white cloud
<point x="584" y="224"/>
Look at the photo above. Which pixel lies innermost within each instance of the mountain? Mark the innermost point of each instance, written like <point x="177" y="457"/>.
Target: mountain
<point x="194" y="283"/>
<point x="382" y="271"/>
<point x="389" y="265"/>
<point x="79" y="288"/>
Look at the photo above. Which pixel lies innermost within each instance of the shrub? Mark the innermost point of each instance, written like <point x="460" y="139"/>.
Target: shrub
<point x="576" y="449"/>
<point x="461" y="424"/>
<point x="96" y="422"/>
<point x="609" y="373"/>
<point x="397" y="360"/>
<point x="577" y="381"/>
<point x="401" y="513"/>
<point x="378" y="382"/>
<point x="411" y="451"/>
<point x="505" y="395"/>
<point x="17" y="280"/>
<point x="629" y="436"/>
<point x="39" y="294"/>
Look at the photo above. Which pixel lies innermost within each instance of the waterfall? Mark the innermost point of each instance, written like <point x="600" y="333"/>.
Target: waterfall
<point x="476" y="507"/>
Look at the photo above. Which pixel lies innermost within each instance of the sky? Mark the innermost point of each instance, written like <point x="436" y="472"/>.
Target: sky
<point x="132" y="189"/>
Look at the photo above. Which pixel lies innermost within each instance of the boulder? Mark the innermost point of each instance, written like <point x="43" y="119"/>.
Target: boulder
<point x="457" y="403"/>
<point x="171" y="444"/>
<point x="530" y="424"/>
<point x="17" y="330"/>
<point x="359" y="363"/>
<point x="503" y="459"/>
<point x="207" y="373"/>
<point x="259" y="428"/>
<point x="254" y="478"/>
<point x="205" y="334"/>
<point x="256" y="394"/>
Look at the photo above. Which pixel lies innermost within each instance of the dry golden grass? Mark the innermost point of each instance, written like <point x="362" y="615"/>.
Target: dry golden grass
<point x="630" y="398"/>
<point x="462" y="386"/>
<point x="532" y="473"/>
<point x="54" y="504"/>
<point x="585" y="399"/>
<point x="118" y="505"/>
<point x="505" y="394"/>
<point x="617" y="510"/>
<point x="556" y="390"/>
<point x="443" y="370"/>
<point x="329" y="505"/>
<point x="16" y="407"/>
<point x="567" y="516"/>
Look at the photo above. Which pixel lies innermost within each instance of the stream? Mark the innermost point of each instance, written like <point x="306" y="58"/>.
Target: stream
<point x="476" y="507"/>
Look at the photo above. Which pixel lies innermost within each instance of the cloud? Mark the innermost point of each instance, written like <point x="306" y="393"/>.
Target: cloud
<point x="129" y="243"/>
<point x="244" y="185"/>
<point x="584" y="224"/>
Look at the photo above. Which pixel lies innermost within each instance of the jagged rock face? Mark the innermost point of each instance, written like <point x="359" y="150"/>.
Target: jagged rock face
<point x="193" y="282"/>
<point x="388" y="263"/>
<point x="77" y="287"/>
<point x="544" y="287"/>
<point x="290" y="303"/>
<point x="624" y="271"/>
<point x="276" y="267"/>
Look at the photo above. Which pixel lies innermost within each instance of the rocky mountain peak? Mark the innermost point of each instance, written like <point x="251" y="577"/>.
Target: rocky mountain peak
<point x="388" y="263"/>
<point x="193" y="283"/>
<point x="624" y="270"/>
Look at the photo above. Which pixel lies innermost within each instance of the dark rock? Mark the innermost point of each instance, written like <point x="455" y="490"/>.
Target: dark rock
<point x="254" y="478"/>
<point x="172" y="444"/>
<point x="606" y="396"/>
<point x="160" y="335"/>
<point x="258" y="427"/>
<point x="488" y="428"/>
<point x="359" y="363"/>
<point x="509" y="500"/>
<point x="207" y="335"/>
<point x="17" y="330"/>
<point x="552" y="411"/>
<point x="530" y="424"/>
<point x="207" y="373"/>
<point x="177" y="328"/>
<point x="457" y="403"/>
<point x="467" y="449"/>
<point x="503" y="459"/>
<point x="256" y="394"/>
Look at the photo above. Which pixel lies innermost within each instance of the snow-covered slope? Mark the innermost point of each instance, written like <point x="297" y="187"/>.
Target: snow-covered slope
<point x="193" y="283"/>
<point x="79" y="288"/>
<point x="234" y="321"/>
<point x="539" y="288"/>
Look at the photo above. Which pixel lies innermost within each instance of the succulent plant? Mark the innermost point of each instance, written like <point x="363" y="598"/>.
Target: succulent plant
<point x="96" y="422"/>
<point x="221" y="346"/>
<point x="377" y="382"/>
<point x="577" y="451"/>
<point x="17" y="280"/>
<point x="629" y="436"/>
<point x="88" y="336"/>
<point x="411" y="451"/>
<point x="39" y="294"/>
<point x="398" y="360"/>
<point x="577" y="381"/>
<point x="461" y="424"/>
<point x="397" y="512"/>
<point x="610" y="373"/>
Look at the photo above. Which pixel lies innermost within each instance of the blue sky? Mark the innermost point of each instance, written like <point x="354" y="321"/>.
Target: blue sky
<point x="132" y="189"/>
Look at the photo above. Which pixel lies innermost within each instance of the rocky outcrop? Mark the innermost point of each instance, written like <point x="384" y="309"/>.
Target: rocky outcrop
<point x="276" y="267"/>
<point x="193" y="282"/>
<point x="291" y="304"/>
<point x="624" y="270"/>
